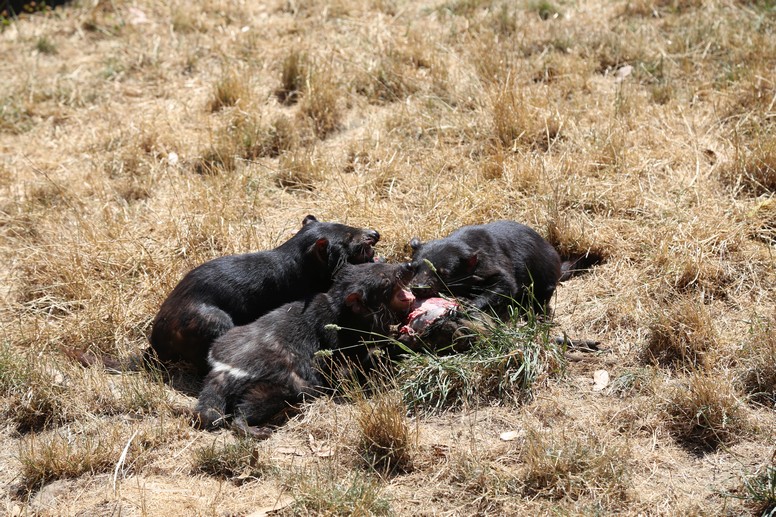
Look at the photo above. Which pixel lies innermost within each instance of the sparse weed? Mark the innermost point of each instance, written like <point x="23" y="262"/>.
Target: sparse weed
<point x="545" y="9"/>
<point x="45" y="46"/>
<point x="631" y="382"/>
<point x="15" y="117"/>
<point x="239" y="460"/>
<point x="327" y="493"/>
<point x="389" y="78"/>
<point x="475" y="475"/>
<point x="704" y="413"/>
<point x="220" y="156"/>
<point x="573" y="241"/>
<point x="760" y="491"/>
<point x="762" y="220"/>
<point x="517" y="122"/>
<point x="270" y="141"/>
<point x="33" y="394"/>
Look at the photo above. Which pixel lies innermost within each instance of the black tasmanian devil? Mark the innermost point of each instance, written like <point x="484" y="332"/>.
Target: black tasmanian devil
<point x="491" y="266"/>
<point x="237" y="289"/>
<point x="257" y="370"/>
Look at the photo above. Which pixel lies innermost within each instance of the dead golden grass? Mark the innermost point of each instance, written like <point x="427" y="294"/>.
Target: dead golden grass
<point x="570" y="464"/>
<point x="682" y="335"/>
<point x="704" y="413"/>
<point x="139" y="139"/>
<point x="757" y="364"/>
<point x="386" y="440"/>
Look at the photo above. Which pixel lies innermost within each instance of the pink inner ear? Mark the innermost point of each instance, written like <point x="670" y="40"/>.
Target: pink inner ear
<point x="320" y="250"/>
<point x="353" y="300"/>
<point x="472" y="262"/>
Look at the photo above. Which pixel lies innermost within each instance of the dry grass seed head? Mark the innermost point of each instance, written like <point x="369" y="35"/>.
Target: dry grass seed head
<point x="704" y="413"/>
<point x="682" y="335"/>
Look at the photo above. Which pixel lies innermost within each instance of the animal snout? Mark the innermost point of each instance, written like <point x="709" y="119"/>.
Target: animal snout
<point x="371" y="237"/>
<point x="407" y="272"/>
<point x="423" y="288"/>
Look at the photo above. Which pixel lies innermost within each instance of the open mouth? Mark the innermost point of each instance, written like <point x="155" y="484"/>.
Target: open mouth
<point x="369" y="251"/>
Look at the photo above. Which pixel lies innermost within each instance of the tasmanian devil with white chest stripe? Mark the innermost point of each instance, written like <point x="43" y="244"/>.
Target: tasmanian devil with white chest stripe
<point x="237" y="289"/>
<point x="259" y="369"/>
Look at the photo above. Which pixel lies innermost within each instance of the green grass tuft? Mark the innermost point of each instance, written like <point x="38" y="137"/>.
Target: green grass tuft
<point x="502" y="365"/>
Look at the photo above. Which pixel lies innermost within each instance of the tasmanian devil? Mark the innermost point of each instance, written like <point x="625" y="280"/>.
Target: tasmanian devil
<point x="237" y="289"/>
<point x="491" y="266"/>
<point x="258" y="370"/>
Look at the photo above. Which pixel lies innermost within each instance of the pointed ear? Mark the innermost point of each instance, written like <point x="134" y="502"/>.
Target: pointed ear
<point x="320" y="250"/>
<point x="355" y="302"/>
<point x="471" y="262"/>
<point x="415" y="244"/>
<point x="309" y="219"/>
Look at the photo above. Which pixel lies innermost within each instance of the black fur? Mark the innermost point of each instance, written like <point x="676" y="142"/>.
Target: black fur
<point x="491" y="266"/>
<point x="259" y="369"/>
<point x="237" y="289"/>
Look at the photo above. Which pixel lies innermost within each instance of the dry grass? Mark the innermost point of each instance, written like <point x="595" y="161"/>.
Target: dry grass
<point x="139" y="139"/>
<point x="386" y="438"/>
<point x="573" y="465"/>
<point x="682" y="335"/>
<point x="705" y="413"/>
<point x="240" y="460"/>
<point x="327" y="492"/>
<point x="757" y="367"/>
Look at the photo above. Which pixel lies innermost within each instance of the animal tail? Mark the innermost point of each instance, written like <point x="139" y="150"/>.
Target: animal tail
<point x="579" y="264"/>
